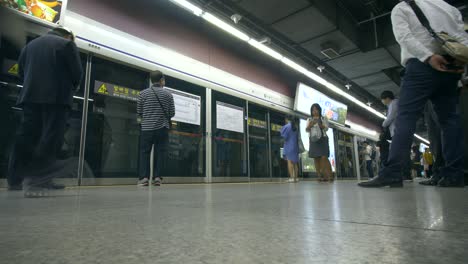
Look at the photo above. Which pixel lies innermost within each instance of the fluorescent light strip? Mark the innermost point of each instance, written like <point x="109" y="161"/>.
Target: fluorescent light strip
<point x="276" y="55"/>
<point x="225" y="26"/>
<point x="189" y="6"/>
<point x="265" y="49"/>
<point x="422" y="139"/>
<point x="360" y="128"/>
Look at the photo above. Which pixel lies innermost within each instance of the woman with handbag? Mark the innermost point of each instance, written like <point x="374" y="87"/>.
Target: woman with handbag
<point x="291" y="147"/>
<point x="319" y="150"/>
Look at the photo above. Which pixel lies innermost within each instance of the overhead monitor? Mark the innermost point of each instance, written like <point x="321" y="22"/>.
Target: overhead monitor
<point x="307" y="96"/>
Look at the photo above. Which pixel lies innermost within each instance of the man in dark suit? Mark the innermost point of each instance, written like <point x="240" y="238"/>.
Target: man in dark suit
<point x="50" y="68"/>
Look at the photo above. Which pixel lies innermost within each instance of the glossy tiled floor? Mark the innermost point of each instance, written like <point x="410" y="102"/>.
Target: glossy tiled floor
<point x="245" y="223"/>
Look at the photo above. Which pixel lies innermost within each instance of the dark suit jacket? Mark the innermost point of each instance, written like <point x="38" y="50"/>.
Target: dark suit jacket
<point x="50" y="68"/>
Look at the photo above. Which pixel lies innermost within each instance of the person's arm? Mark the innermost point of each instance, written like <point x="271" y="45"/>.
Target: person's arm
<point x="310" y="124"/>
<point x="171" y="106"/>
<point x="21" y="62"/>
<point x="140" y="103"/>
<point x="74" y="63"/>
<point x="285" y="131"/>
<point x="392" y="113"/>
<point x="324" y="124"/>
<point x="405" y="37"/>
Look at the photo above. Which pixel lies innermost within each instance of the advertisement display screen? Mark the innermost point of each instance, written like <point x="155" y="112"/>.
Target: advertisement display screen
<point x="306" y="97"/>
<point x="46" y="10"/>
<point x="308" y="163"/>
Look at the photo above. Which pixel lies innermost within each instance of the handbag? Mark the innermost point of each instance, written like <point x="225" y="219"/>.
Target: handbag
<point x="168" y="118"/>
<point x="449" y="44"/>
<point x="316" y="133"/>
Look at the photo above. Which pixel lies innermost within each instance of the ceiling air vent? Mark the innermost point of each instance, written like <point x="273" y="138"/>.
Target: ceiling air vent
<point x="330" y="50"/>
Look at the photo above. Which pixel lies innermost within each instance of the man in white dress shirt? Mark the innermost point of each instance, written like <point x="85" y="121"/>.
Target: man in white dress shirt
<point x="429" y="76"/>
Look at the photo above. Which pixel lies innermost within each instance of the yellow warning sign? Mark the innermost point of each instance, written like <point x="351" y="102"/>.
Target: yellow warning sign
<point x="103" y="89"/>
<point x="13" y="69"/>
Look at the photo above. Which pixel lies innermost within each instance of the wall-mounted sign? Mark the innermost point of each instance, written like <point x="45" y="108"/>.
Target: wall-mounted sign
<point x="229" y="117"/>
<point x="257" y="123"/>
<point x="306" y="97"/>
<point x="10" y="67"/>
<point x="116" y="91"/>
<point x="276" y="127"/>
<point x="47" y="10"/>
<point x="187" y="107"/>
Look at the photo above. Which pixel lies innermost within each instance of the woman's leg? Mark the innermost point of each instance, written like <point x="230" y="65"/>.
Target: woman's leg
<point x="290" y="169"/>
<point x="318" y="168"/>
<point x="296" y="171"/>
<point x="326" y="167"/>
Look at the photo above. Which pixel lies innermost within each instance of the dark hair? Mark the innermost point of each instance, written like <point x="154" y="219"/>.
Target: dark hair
<point x="156" y="76"/>
<point x="64" y="32"/>
<point x="387" y="94"/>
<point x="318" y="107"/>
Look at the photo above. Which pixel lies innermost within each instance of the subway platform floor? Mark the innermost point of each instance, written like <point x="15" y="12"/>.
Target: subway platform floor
<point x="305" y="222"/>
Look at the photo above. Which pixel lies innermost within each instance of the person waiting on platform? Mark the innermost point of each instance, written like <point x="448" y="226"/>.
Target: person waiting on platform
<point x="367" y="154"/>
<point x="430" y="74"/>
<point x="51" y="70"/>
<point x="155" y="108"/>
<point x="291" y="148"/>
<point x="428" y="160"/>
<point x="319" y="150"/>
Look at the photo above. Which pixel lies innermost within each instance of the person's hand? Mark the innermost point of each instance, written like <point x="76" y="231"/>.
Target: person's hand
<point x="439" y="63"/>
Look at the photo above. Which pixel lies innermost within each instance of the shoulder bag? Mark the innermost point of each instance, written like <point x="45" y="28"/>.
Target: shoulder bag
<point x="449" y="44"/>
<point x="168" y="118"/>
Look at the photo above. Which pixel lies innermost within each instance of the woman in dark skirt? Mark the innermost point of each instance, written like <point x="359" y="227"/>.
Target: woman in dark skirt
<point x="319" y="150"/>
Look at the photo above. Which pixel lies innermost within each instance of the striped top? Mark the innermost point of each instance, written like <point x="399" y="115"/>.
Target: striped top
<point x="149" y="109"/>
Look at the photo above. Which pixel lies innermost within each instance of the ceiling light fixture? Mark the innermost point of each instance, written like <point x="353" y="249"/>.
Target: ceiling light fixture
<point x="348" y="86"/>
<point x="265" y="40"/>
<point x="321" y="68"/>
<point x="236" y="18"/>
<point x="265" y="49"/>
<point x="225" y="26"/>
<point x="189" y="6"/>
<point x="422" y="139"/>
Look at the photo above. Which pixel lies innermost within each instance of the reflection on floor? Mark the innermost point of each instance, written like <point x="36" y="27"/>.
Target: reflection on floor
<point x="237" y="223"/>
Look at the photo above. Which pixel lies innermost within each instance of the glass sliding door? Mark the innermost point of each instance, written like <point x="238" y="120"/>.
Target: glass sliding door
<point x="229" y="154"/>
<point x="259" y="162"/>
<point x="113" y="131"/>
<point x="278" y="164"/>
<point x="345" y="165"/>
<point x="186" y="140"/>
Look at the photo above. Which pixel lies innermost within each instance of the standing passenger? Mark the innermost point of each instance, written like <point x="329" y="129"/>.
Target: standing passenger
<point x="429" y="75"/>
<point x="155" y="107"/>
<point x="50" y="68"/>
<point x="388" y="99"/>
<point x="319" y="149"/>
<point x="291" y="148"/>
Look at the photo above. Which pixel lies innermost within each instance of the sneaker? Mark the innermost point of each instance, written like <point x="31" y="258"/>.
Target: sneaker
<point x="33" y="188"/>
<point x="157" y="181"/>
<point x="290" y="180"/>
<point x="143" y="182"/>
<point x="53" y="186"/>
